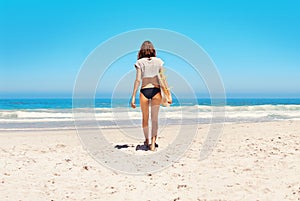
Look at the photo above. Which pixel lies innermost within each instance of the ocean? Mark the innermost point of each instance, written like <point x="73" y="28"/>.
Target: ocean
<point x="49" y="114"/>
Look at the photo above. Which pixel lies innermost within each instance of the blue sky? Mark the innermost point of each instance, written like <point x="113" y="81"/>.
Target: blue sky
<point x="254" y="44"/>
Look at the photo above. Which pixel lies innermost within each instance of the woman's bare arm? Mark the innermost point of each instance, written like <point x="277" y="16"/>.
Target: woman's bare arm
<point x="136" y="86"/>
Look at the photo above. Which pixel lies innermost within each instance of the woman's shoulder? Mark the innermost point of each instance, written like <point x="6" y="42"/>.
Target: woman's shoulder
<point x="158" y="60"/>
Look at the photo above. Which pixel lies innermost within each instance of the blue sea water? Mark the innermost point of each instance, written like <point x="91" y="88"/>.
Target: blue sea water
<point x="23" y="104"/>
<point x="35" y="114"/>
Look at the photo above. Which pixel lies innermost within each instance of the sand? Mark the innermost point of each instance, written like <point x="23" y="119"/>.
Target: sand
<point x="252" y="161"/>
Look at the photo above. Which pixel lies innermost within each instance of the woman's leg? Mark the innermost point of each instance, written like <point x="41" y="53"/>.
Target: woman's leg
<point x="155" y="104"/>
<point x="144" y="102"/>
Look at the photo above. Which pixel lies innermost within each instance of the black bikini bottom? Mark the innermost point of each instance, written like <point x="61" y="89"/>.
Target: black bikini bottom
<point x="150" y="92"/>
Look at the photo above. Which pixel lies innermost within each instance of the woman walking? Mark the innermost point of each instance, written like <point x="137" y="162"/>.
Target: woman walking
<point x="148" y="69"/>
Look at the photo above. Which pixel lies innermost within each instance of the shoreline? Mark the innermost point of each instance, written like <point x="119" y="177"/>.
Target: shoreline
<point x="46" y="129"/>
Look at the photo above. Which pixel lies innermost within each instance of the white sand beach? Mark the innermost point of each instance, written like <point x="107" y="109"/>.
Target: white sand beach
<point x="252" y="161"/>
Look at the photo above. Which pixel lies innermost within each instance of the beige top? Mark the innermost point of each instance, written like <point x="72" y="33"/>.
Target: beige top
<point x="150" y="68"/>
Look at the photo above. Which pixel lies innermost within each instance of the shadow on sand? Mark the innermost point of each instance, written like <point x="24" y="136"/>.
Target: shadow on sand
<point x="141" y="147"/>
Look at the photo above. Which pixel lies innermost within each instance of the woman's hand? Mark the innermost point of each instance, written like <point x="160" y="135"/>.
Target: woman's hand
<point x="133" y="103"/>
<point x="169" y="99"/>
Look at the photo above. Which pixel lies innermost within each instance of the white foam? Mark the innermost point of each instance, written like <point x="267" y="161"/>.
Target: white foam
<point x="234" y="113"/>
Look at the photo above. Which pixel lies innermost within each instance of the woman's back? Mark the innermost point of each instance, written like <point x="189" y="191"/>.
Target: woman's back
<point x="150" y="68"/>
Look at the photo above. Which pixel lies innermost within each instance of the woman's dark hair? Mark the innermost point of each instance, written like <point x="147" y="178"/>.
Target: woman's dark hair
<point x="147" y="50"/>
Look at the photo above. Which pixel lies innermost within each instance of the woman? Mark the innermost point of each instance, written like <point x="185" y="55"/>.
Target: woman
<point x="148" y="67"/>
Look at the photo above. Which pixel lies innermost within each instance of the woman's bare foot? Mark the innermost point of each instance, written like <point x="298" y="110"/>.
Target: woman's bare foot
<point x="153" y="142"/>
<point x="152" y="147"/>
